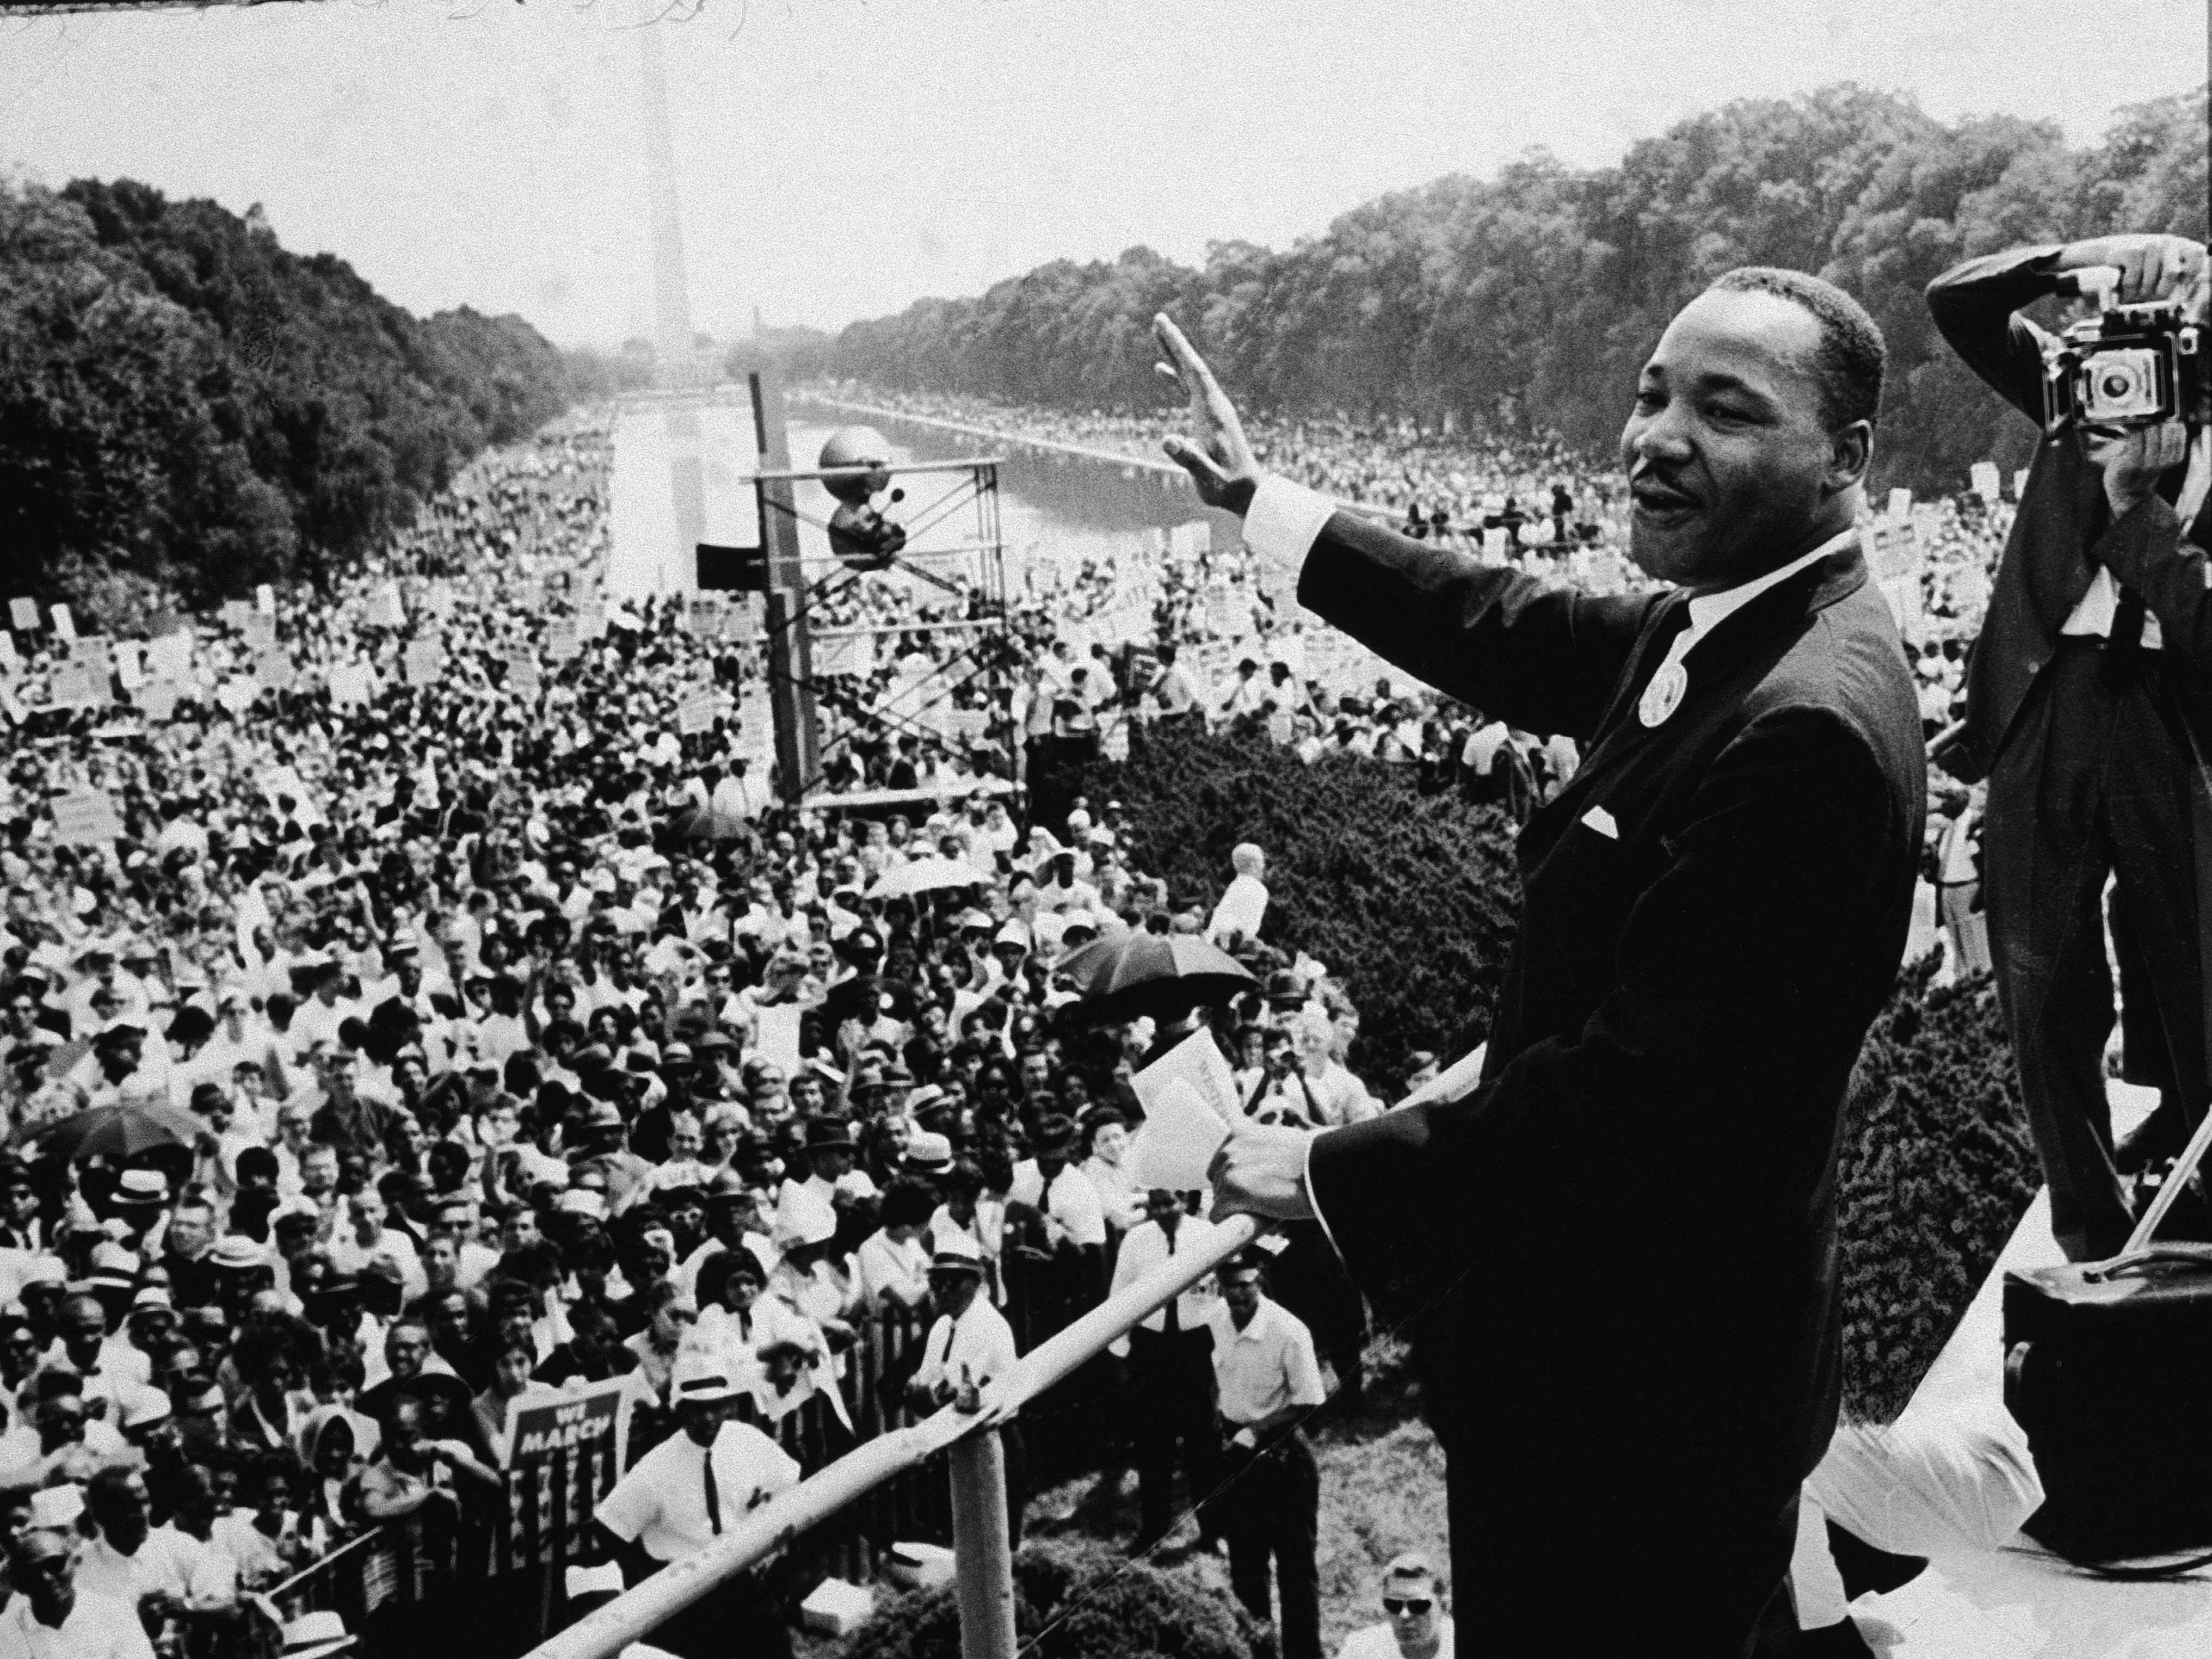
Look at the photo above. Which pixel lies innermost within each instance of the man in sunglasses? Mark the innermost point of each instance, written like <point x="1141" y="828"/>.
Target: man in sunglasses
<point x="1414" y="1624"/>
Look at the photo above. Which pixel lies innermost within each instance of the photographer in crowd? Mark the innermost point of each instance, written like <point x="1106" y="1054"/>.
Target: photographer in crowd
<point x="2089" y="709"/>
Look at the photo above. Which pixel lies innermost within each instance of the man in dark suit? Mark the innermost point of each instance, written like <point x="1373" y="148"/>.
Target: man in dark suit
<point x="2085" y="693"/>
<point x="1618" y="1248"/>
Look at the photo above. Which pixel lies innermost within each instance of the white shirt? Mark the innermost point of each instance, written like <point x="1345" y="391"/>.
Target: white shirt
<point x="164" y="1561"/>
<point x="2094" y="614"/>
<point x="1268" y="1365"/>
<point x="1070" y="1201"/>
<point x="1145" y="1248"/>
<point x="662" y="1502"/>
<point x="98" y="1627"/>
<point x="1243" y="904"/>
<point x="885" y="1264"/>
<point x="980" y="1340"/>
<point x="1381" y="1642"/>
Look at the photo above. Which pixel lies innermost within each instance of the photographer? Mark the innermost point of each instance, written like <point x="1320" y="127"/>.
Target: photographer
<point x="2088" y="711"/>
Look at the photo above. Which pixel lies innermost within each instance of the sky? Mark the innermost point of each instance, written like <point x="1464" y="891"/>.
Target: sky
<point x="840" y="159"/>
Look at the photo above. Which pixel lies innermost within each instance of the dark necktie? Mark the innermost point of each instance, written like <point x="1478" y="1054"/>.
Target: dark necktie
<point x="1172" y="1326"/>
<point x="713" y="1495"/>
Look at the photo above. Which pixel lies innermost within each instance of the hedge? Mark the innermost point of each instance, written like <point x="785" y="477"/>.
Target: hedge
<point x="1413" y="899"/>
<point x="1078" y="1600"/>
<point x="1409" y="899"/>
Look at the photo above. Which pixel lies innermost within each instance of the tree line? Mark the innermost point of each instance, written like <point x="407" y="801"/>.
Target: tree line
<point x="187" y="409"/>
<point x="1524" y="304"/>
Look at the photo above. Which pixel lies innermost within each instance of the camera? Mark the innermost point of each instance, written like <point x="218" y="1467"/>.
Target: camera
<point x="2128" y="366"/>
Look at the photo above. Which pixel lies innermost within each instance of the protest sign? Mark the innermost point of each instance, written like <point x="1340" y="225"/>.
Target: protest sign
<point x="238" y="692"/>
<point x="561" y="640"/>
<point x="697" y="712"/>
<point x="275" y="669"/>
<point x="265" y="599"/>
<point x="1896" y="553"/>
<point x="83" y="817"/>
<point x="24" y="613"/>
<point x="169" y="657"/>
<point x="385" y="610"/>
<point x="438" y="600"/>
<point x="127" y="668"/>
<point x="838" y="656"/>
<point x="424" y="661"/>
<point x="591" y="617"/>
<point x="156" y="700"/>
<point x="64" y="623"/>
<point x="522" y="676"/>
<point x="1901" y="503"/>
<point x="91" y="650"/>
<point x="561" y="1456"/>
<point x="74" y="686"/>
<point x="1984" y="474"/>
<point x="260" y="631"/>
<point x="349" y="684"/>
<point x="10" y="662"/>
<point x="234" y="613"/>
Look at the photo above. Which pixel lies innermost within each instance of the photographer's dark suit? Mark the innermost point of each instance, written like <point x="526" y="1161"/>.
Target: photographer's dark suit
<point x="1622" y="1243"/>
<point x="2085" y="741"/>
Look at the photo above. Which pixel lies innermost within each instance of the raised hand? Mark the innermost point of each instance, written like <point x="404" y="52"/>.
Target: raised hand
<point x="1216" y="456"/>
<point x="2151" y="267"/>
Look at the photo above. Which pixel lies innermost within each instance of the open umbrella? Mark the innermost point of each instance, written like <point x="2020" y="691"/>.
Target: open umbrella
<point x="112" y="1132"/>
<point x="707" y="823"/>
<point x="1130" y="972"/>
<point x="926" y="875"/>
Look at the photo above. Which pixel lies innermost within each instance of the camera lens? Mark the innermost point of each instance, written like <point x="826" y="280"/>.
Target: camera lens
<point x="2117" y="385"/>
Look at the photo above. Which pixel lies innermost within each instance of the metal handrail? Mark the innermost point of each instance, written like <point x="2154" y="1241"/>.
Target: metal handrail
<point x="643" y="1608"/>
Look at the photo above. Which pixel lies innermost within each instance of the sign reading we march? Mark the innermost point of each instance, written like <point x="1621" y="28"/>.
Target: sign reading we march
<point x="562" y="1457"/>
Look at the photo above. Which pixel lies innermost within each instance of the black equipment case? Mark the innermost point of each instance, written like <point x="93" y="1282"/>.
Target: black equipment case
<point x="2108" y="1369"/>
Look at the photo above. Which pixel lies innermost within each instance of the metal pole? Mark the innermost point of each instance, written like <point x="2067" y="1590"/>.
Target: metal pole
<point x="983" y="1559"/>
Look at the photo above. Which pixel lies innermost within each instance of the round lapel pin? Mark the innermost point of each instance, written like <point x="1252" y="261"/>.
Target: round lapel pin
<point x="1664" y="695"/>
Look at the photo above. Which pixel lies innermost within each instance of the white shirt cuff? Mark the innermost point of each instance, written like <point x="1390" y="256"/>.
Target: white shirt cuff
<point x="1280" y="528"/>
<point x="1305" y="1179"/>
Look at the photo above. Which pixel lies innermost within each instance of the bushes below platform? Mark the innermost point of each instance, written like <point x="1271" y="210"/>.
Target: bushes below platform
<point x="1412" y="900"/>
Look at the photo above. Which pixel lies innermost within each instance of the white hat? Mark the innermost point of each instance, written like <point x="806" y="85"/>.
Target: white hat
<point x="956" y="1252"/>
<point x="314" y="1634"/>
<point x="803" y="1216"/>
<point x="700" y="1379"/>
<point x="56" y="1509"/>
<point x="607" y="1580"/>
<point x="1012" y="933"/>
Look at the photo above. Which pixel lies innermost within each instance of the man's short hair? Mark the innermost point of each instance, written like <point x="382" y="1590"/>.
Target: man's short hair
<point x="1849" y="361"/>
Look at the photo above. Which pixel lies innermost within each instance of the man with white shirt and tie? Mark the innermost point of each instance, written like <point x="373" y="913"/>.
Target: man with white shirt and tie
<point x="685" y="1493"/>
<point x="969" y="1347"/>
<point x="2088" y="711"/>
<point x="1170" y="1354"/>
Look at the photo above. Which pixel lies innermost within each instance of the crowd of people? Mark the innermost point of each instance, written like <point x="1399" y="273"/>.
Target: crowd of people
<point x="503" y="1033"/>
<point x="391" y="1038"/>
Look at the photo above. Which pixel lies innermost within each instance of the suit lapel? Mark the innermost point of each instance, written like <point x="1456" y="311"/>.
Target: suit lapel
<point x="1735" y="637"/>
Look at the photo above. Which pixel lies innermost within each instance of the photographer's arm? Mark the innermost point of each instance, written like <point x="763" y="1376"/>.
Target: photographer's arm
<point x="1976" y="305"/>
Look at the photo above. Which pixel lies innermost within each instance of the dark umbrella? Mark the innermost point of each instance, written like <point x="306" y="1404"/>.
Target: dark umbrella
<point x="1137" y="972"/>
<point x="112" y="1132"/>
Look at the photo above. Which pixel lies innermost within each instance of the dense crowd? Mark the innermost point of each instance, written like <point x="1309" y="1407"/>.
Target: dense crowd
<point x="415" y="1004"/>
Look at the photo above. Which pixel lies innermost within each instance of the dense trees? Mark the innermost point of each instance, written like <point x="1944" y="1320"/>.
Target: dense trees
<point x="186" y="407"/>
<point x="1525" y="302"/>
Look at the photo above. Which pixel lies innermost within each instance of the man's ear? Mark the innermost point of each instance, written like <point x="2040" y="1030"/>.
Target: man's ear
<point x="1851" y="452"/>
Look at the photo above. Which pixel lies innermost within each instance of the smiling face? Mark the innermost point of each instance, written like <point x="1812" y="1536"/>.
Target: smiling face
<point x="1732" y="469"/>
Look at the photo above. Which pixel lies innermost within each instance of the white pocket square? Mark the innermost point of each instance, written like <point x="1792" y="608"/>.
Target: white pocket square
<point x="1601" y="821"/>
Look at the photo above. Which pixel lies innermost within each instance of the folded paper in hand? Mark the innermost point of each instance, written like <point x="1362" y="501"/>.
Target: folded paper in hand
<point x="1176" y="1144"/>
<point x="1190" y="1097"/>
